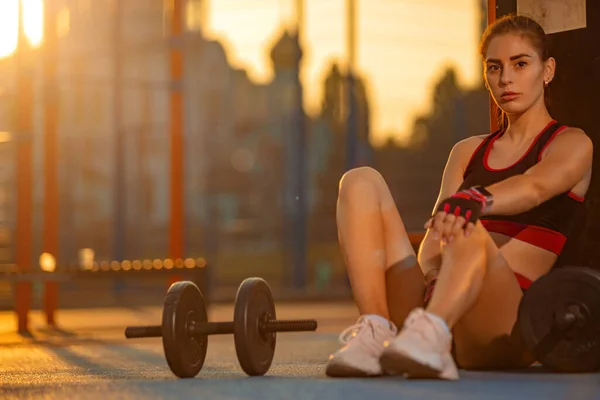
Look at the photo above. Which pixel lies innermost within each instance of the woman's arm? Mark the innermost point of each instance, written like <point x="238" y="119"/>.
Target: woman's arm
<point x="567" y="161"/>
<point x="452" y="178"/>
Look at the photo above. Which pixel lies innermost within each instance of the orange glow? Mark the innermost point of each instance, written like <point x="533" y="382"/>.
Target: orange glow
<point x="403" y="47"/>
<point x="33" y="17"/>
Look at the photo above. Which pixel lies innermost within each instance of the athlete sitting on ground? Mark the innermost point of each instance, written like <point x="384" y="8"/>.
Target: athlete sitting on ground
<point x="502" y="217"/>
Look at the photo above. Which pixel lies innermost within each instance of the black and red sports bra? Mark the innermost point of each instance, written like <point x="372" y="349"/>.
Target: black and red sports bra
<point x="546" y="226"/>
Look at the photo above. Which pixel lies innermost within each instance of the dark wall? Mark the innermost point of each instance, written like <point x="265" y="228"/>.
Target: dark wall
<point x="574" y="102"/>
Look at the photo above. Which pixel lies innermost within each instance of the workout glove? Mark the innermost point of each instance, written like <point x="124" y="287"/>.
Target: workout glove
<point x="469" y="203"/>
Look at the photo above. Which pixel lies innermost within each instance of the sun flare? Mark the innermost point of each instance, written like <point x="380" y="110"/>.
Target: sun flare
<point x="33" y="18"/>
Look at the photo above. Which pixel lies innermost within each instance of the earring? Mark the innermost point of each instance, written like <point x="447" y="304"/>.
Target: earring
<point x="546" y="83"/>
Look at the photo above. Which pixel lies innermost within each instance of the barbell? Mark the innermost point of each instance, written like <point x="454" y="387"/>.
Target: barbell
<point x="185" y="328"/>
<point x="559" y="319"/>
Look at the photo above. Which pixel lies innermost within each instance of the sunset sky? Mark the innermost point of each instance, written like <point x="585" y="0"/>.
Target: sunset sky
<point x="403" y="46"/>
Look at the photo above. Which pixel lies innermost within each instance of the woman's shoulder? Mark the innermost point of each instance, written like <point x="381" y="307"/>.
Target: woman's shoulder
<point x="568" y="138"/>
<point x="571" y="131"/>
<point x="462" y="151"/>
<point x="570" y="135"/>
<point x="470" y="144"/>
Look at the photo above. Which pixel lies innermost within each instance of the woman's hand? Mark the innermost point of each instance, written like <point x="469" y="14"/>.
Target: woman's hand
<point x="446" y="226"/>
<point x="457" y="213"/>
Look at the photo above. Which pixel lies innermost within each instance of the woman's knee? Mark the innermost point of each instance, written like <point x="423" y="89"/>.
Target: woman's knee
<point x="430" y="256"/>
<point x="479" y="241"/>
<point x="362" y="180"/>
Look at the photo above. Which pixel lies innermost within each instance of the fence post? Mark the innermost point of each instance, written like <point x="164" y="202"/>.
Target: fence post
<point x="51" y="200"/>
<point x="24" y="173"/>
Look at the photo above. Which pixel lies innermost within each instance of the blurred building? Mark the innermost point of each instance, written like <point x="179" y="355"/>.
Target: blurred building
<point x="238" y="139"/>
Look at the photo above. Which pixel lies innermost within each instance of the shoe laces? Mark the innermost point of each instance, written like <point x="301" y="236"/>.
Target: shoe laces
<point x="357" y="329"/>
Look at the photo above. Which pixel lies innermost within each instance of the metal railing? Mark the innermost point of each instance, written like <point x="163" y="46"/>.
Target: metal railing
<point x="93" y="284"/>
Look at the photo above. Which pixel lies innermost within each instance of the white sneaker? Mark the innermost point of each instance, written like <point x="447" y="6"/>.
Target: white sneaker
<point x="421" y="350"/>
<point x="363" y="345"/>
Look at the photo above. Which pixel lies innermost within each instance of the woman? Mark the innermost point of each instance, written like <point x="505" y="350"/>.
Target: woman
<point x="501" y="219"/>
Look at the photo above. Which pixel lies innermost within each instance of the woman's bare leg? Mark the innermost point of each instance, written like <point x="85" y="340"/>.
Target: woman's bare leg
<point x="386" y="279"/>
<point x="477" y="295"/>
<point x="387" y="283"/>
<point x="464" y="266"/>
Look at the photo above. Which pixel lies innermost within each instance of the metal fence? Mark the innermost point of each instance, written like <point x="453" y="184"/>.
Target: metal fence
<point x="245" y="201"/>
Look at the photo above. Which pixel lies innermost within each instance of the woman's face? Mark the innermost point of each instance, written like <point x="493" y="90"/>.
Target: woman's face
<point x="515" y="73"/>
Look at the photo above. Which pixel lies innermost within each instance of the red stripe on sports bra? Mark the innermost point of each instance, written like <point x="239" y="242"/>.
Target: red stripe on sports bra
<point x="575" y="197"/>
<point x="559" y="130"/>
<point x="544" y="238"/>
<point x="524" y="282"/>
<point x="491" y="144"/>
<point x="483" y="142"/>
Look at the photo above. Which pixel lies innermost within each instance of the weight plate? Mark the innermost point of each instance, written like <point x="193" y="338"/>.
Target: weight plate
<point x="184" y="305"/>
<point x="255" y="349"/>
<point x="576" y="349"/>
